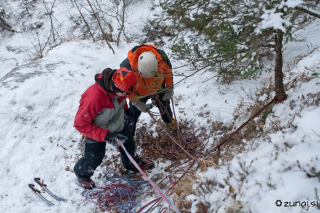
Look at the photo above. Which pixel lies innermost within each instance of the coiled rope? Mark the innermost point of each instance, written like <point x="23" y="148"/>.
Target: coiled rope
<point x="119" y="192"/>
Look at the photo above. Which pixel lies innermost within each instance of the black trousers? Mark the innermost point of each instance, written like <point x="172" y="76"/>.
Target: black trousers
<point x="163" y="106"/>
<point x="95" y="151"/>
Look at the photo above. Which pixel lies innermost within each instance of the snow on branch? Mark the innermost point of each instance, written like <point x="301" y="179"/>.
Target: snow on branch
<point x="271" y="19"/>
<point x="309" y="11"/>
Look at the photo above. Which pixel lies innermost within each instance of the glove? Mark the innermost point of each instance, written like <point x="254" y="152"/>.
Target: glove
<point x="168" y="94"/>
<point x="142" y="106"/>
<point x="111" y="138"/>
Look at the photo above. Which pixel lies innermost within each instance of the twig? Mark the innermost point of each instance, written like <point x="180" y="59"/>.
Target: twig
<point x="315" y="133"/>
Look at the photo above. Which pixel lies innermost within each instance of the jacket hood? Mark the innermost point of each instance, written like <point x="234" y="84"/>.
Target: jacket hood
<point x="104" y="79"/>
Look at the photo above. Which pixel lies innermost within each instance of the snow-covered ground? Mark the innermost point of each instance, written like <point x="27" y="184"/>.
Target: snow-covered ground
<point x="39" y="99"/>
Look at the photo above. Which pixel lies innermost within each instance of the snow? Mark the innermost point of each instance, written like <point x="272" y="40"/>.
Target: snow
<point x="293" y="3"/>
<point x="271" y="19"/>
<point x="39" y="99"/>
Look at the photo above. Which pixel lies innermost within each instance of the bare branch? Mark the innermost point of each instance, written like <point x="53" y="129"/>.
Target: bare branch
<point x="84" y="20"/>
<point x="39" y="49"/>
<point x="309" y="11"/>
<point x="104" y="35"/>
<point x="50" y="15"/>
<point x="122" y="21"/>
<point x="5" y="25"/>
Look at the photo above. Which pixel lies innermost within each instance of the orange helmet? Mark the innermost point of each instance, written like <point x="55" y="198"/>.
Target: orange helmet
<point x="124" y="81"/>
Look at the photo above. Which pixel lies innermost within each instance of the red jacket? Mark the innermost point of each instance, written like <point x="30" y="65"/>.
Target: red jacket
<point x="100" y="111"/>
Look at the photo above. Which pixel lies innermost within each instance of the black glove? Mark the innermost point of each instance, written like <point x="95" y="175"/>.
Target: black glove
<point x="111" y="138"/>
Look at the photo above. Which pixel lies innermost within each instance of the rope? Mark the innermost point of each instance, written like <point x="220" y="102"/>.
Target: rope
<point x="158" y="190"/>
<point x="176" y="141"/>
<point x="243" y="125"/>
<point x="172" y="138"/>
<point x="119" y="192"/>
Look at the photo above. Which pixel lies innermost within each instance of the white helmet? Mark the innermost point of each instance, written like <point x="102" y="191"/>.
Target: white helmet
<point x="147" y="64"/>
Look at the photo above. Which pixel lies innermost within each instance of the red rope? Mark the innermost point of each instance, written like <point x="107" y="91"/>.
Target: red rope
<point x="244" y="124"/>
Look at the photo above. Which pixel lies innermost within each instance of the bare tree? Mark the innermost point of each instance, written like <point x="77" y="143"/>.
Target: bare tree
<point x="117" y="12"/>
<point x="50" y="13"/>
<point x="121" y="21"/>
<point x="99" y="23"/>
<point x="278" y="74"/>
<point x="39" y="48"/>
<point x="84" y="20"/>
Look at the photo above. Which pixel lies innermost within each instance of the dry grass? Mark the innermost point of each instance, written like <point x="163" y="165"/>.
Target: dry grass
<point x="182" y="190"/>
<point x="157" y="145"/>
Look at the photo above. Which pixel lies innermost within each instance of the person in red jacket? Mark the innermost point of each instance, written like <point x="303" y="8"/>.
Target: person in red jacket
<point x="100" y="118"/>
<point x="154" y="71"/>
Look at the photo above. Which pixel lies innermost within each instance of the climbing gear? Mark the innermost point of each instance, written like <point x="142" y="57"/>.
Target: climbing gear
<point x="173" y="125"/>
<point x="145" y="164"/>
<point x="147" y="64"/>
<point x="38" y="193"/>
<point x="86" y="183"/>
<point x="44" y="186"/>
<point x="119" y="192"/>
<point x="124" y="81"/>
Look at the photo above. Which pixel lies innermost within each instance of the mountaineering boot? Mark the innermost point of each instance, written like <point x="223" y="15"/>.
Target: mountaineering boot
<point x="145" y="164"/>
<point x="86" y="183"/>
<point x="173" y="125"/>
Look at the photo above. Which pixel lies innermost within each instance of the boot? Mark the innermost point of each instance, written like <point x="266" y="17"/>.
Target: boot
<point x="146" y="164"/>
<point x="86" y="183"/>
<point x="173" y="125"/>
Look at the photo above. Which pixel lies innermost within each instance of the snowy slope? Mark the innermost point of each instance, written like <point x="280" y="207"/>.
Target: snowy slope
<point x="39" y="100"/>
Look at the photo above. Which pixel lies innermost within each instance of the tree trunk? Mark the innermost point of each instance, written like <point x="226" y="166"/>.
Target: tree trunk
<point x="102" y="31"/>
<point x="122" y="21"/>
<point x="84" y="21"/>
<point x="278" y="75"/>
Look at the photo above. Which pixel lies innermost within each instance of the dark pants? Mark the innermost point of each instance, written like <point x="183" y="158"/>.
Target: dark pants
<point x="95" y="151"/>
<point x="163" y="106"/>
